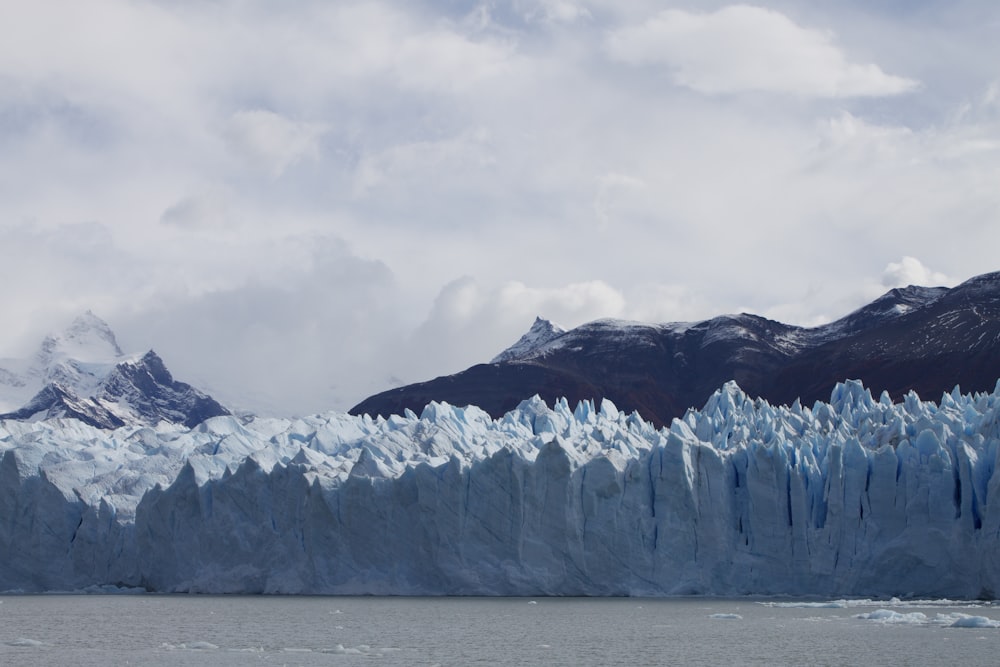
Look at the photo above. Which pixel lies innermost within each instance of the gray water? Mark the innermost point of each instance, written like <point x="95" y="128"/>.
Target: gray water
<point x="208" y="630"/>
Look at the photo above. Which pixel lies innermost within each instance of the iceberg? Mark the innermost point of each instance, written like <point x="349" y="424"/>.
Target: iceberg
<point x="854" y="497"/>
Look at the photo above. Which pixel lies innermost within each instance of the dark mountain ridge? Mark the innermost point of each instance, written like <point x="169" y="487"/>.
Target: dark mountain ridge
<point x="926" y="339"/>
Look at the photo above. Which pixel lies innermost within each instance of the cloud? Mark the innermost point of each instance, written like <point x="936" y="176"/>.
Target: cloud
<point x="470" y="323"/>
<point x="741" y="48"/>
<point x="911" y="271"/>
<point x="443" y="59"/>
<point x="310" y="337"/>
<point x="423" y="161"/>
<point x="205" y="210"/>
<point x="51" y="276"/>
<point x="271" y="141"/>
<point x="556" y="11"/>
<point x="195" y="172"/>
<point x="667" y="303"/>
<point x="612" y="189"/>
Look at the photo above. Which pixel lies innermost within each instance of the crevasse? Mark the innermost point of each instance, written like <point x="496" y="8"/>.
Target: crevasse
<point x="856" y="496"/>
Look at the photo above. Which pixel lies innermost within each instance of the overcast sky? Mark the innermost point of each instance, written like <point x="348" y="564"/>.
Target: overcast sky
<point x="298" y="204"/>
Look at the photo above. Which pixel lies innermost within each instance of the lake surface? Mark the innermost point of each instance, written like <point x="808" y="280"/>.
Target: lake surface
<point x="238" y="630"/>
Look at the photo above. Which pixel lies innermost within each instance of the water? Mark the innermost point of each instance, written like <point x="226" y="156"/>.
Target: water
<point x="198" y="630"/>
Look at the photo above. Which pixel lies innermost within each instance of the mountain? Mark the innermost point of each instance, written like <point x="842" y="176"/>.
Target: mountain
<point x="925" y="339"/>
<point x="76" y="358"/>
<point x="854" y="497"/>
<point x="541" y="333"/>
<point x="82" y="373"/>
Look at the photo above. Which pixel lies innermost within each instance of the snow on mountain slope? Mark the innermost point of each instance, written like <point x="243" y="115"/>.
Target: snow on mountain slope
<point x="889" y="306"/>
<point x="77" y="359"/>
<point x="83" y="373"/>
<point x="856" y="496"/>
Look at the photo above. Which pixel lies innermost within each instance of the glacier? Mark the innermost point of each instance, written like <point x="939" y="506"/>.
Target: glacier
<point x="852" y="497"/>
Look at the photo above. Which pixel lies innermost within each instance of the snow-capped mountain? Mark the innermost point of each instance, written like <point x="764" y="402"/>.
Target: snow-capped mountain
<point x="532" y="343"/>
<point x="82" y="373"/>
<point x="926" y="339"/>
<point x="853" y="497"/>
<point x="76" y="359"/>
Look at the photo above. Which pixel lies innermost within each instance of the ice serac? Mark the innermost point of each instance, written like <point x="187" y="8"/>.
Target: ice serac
<point x="855" y="496"/>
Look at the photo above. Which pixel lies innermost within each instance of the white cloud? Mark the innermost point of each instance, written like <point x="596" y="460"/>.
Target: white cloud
<point x="272" y="141"/>
<point x="204" y="210"/>
<point x="443" y="59"/>
<point x="309" y="333"/>
<point x="911" y="271"/>
<point x="847" y="129"/>
<point x="470" y="323"/>
<point x="423" y="161"/>
<point x="181" y="168"/>
<point x="58" y="276"/>
<point x="612" y="189"/>
<point x="741" y="48"/>
<point x="667" y="303"/>
<point x="557" y="11"/>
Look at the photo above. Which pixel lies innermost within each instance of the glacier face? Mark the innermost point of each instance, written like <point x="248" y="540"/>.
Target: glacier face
<point x="851" y="497"/>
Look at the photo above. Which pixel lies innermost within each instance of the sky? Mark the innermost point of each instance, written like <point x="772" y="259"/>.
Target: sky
<point x="299" y="204"/>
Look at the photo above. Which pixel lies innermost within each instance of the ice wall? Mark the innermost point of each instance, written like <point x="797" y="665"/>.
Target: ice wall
<point x="851" y="497"/>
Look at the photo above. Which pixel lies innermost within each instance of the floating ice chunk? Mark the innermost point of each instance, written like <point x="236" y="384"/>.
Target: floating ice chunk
<point x="890" y="617"/>
<point x="25" y="642"/>
<point x="895" y="602"/>
<point x="952" y="620"/>
<point x="833" y="604"/>
<point x="966" y="621"/>
<point x="340" y="649"/>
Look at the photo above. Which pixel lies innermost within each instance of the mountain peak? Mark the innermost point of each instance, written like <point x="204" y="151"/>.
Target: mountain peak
<point x="90" y="331"/>
<point x="88" y="339"/>
<point x="541" y="333"/>
<point x="82" y="373"/>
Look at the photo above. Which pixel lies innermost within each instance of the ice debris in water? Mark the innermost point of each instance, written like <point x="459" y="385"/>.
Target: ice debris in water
<point x="952" y="620"/>
<point x="190" y="646"/>
<point x="893" y="602"/>
<point x="964" y="621"/>
<point x="851" y="497"/>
